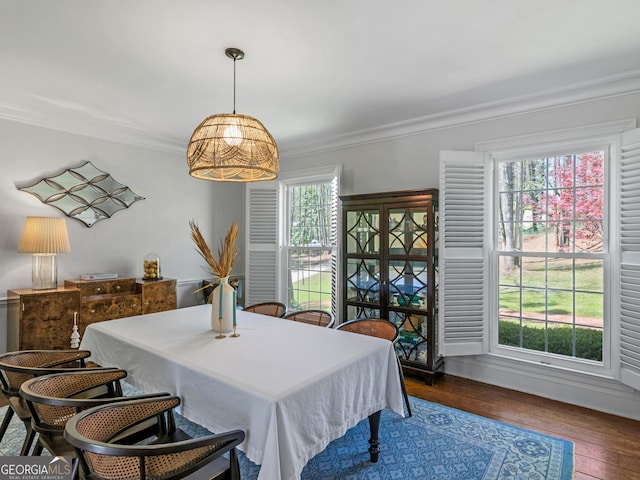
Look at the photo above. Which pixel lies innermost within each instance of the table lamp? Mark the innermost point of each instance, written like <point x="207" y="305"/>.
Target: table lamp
<point x="44" y="237"/>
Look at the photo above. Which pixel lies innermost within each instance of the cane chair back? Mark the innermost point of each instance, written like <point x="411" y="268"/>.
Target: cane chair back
<point x="18" y="367"/>
<point x="273" y="309"/>
<point x="54" y="399"/>
<point x="374" y="327"/>
<point x="98" y="434"/>
<point x="320" y="318"/>
<point x="381" y="328"/>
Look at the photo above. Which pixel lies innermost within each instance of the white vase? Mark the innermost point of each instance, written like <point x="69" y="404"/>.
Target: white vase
<point x="222" y="306"/>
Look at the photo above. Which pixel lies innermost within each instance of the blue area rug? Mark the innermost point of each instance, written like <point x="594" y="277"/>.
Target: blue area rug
<point x="437" y="443"/>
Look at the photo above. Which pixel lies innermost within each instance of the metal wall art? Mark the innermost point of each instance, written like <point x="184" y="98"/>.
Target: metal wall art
<point x="85" y="193"/>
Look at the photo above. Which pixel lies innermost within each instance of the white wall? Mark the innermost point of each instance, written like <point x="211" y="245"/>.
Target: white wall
<point x="159" y="223"/>
<point x="411" y="162"/>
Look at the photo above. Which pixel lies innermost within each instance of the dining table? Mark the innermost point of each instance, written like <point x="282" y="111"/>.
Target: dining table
<point x="291" y="387"/>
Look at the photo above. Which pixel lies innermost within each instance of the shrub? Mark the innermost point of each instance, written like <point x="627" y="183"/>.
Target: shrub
<point x="559" y="340"/>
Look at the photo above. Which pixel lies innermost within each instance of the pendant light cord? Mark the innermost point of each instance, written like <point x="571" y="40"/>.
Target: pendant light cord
<point x="234" y="84"/>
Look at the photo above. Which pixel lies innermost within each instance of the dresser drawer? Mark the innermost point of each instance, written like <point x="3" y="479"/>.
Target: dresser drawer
<point x="102" y="287"/>
<point x="108" y="307"/>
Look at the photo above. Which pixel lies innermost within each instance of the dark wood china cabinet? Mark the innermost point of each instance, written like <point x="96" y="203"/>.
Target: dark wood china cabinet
<point x="390" y="258"/>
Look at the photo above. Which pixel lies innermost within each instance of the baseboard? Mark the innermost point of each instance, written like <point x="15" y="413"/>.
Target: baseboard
<point x="596" y="393"/>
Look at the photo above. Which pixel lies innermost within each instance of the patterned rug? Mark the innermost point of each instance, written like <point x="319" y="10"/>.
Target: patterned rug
<point x="437" y="443"/>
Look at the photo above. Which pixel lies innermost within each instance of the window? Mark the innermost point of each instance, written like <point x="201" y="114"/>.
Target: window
<point x="291" y="239"/>
<point x="551" y="254"/>
<point x="310" y="246"/>
<point x="540" y="250"/>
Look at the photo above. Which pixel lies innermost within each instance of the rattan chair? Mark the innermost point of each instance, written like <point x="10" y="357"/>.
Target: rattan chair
<point x="381" y="328"/>
<point x="54" y="399"/>
<point x="273" y="309"/>
<point x="97" y="435"/>
<point x="320" y="318"/>
<point x="17" y="367"/>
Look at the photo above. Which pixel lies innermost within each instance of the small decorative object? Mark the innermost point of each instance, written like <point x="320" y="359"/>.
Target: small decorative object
<point x="98" y="276"/>
<point x="223" y="305"/>
<point x="235" y="303"/>
<point x="151" y="267"/>
<point x="75" y="336"/>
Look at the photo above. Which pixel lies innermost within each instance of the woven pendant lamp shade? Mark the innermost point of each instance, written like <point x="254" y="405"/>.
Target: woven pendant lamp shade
<point x="232" y="148"/>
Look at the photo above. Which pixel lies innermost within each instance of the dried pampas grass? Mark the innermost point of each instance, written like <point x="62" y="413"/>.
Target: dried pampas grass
<point x="222" y="266"/>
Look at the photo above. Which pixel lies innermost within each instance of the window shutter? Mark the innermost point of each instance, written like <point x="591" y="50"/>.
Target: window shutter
<point x="629" y="191"/>
<point x="262" y="243"/>
<point x="335" y="268"/>
<point x="464" y="223"/>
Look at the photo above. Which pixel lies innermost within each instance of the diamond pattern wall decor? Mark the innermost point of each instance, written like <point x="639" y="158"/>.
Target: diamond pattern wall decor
<point x="85" y="193"/>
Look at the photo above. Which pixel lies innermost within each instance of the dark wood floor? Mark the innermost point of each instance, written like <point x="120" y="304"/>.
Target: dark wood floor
<point x="607" y="447"/>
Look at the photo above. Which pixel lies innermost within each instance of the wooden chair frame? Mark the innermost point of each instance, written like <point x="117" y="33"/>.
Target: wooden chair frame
<point x="17" y="367"/>
<point x="97" y="435"/>
<point x="54" y="399"/>
<point x="321" y="318"/>
<point x="273" y="309"/>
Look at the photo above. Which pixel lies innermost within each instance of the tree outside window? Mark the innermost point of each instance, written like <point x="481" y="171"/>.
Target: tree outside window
<point x="311" y="245"/>
<point x="550" y="250"/>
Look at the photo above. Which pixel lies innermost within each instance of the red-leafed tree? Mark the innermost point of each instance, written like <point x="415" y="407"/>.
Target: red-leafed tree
<point x="574" y="199"/>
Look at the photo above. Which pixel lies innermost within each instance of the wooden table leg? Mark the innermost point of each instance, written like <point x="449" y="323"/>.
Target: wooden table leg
<point x="374" y="442"/>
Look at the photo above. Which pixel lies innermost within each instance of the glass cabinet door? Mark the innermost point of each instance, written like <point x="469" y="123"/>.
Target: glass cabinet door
<point x="408" y="279"/>
<point x="363" y="231"/>
<point x="408" y="231"/>
<point x="390" y="270"/>
<point x="363" y="282"/>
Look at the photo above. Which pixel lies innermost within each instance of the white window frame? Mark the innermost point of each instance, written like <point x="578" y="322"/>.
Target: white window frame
<point x="270" y="255"/>
<point x="520" y="148"/>
<point x="588" y="366"/>
<point x="294" y="180"/>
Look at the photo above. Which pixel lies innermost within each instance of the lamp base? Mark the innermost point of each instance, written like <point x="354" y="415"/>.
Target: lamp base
<point x="44" y="272"/>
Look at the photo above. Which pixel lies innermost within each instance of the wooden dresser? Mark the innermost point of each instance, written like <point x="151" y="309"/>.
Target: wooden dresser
<point x="43" y="319"/>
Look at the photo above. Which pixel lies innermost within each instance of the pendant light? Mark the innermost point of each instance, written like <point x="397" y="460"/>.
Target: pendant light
<point x="228" y="147"/>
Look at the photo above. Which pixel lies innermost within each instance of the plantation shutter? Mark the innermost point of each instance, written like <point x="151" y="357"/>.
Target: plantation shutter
<point x="464" y="222"/>
<point x="629" y="191"/>
<point x="262" y="242"/>
<point x="335" y="286"/>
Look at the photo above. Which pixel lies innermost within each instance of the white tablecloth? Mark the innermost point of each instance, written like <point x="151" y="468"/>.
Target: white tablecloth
<point x="290" y="386"/>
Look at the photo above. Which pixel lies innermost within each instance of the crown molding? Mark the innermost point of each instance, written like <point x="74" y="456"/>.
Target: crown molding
<point x="114" y="133"/>
<point x="575" y="94"/>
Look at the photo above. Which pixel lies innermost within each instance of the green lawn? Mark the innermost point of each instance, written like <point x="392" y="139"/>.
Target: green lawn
<point x="306" y="292"/>
<point x="559" y="279"/>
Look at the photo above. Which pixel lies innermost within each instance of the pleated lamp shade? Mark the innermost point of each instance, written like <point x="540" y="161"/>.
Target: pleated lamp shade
<point x="232" y="148"/>
<point x="44" y="235"/>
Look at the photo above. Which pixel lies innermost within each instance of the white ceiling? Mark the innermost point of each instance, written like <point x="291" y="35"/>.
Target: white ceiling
<point x="324" y="72"/>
